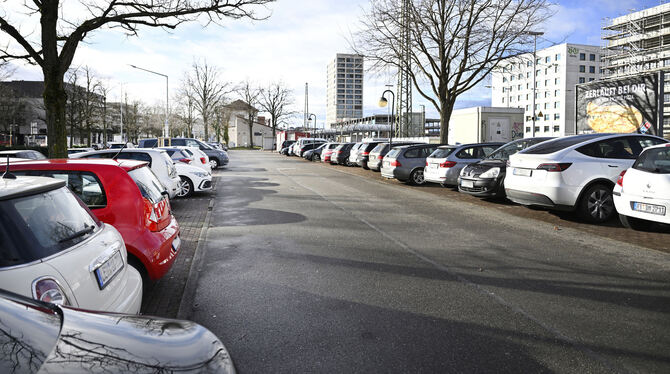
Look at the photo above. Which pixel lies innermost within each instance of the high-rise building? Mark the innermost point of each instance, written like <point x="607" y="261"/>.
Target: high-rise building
<point x="639" y="43"/>
<point x="557" y="70"/>
<point x="344" y="88"/>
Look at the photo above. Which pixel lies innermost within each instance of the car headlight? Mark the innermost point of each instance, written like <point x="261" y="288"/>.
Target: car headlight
<point x="201" y="174"/>
<point x="491" y="173"/>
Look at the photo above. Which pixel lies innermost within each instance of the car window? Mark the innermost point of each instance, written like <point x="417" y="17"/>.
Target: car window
<point x="413" y="153"/>
<point x="556" y="145"/>
<point x="442" y="152"/>
<point x="84" y="184"/>
<point x="140" y="156"/>
<point x="486" y="150"/>
<point x="149" y="185"/>
<point x="393" y="152"/>
<point x="38" y="226"/>
<point x="101" y="155"/>
<point x="615" y="148"/>
<point x="645" y="141"/>
<point x="148" y="143"/>
<point x="468" y="152"/>
<point x="656" y="160"/>
<point x="179" y="142"/>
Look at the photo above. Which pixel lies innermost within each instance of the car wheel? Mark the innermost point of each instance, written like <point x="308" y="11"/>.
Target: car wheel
<point x="597" y="205"/>
<point x="316" y="158"/>
<point x="214" y="163"/>
<point x="416" y="178"/>
<point x="634" y="223"/>
<point x="185" y="187"/>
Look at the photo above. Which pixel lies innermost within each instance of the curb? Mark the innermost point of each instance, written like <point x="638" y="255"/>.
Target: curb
<point x="186" y="303"/>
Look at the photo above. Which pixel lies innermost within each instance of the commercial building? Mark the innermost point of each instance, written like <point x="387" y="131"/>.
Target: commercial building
<point x="238" y="127"/>
<point x="556" y="71"/>
<point x="639" y="43"/>
<point x="344" y="88"/>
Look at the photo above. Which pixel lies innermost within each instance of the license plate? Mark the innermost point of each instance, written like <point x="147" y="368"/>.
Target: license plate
<point x="522" y="172"/>
<point x="467" y="183"/>
<point x="176" y="243"/>
<point x="649" y="208"/>
<point x="109" y="269"/>
<point x="432" y="166"/>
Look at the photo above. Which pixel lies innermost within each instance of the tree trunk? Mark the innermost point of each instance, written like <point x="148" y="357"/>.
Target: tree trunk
<point x="55" y="99"/>
<point x="446" y="108"/>
<point x="204" y="122"/>
<point x="251" y="132"/>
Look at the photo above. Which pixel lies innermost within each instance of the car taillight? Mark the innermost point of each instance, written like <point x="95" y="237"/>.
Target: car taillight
<point x="48" y="290"/>
<point x="620" y="180"/>
<point x="380" y="157"/>
<point x="365" y="153"/>
<point x="448" y="164"/>
<point x="395" y="163"/>
<point x="554" y="167"/>
<point x="185" y="160"/>
<point x="202" y="159"/>
<point x="150" y="216"/>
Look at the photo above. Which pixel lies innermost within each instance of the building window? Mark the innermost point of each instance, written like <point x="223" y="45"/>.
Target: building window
<point x="546" y="93"/>
<point x="503" y="100"/>
<point x="528" y="108"/>
<point x="511" y="78"/>
<point x="582" y="80"/>
<point x="556" y="69"/>
<point x="527" y="129"/>
<point x="546" y="129"/>
<point x="520" y="76"/>
<point x="557" y="81"/>
<point x="518" y="87"/>
<point x="526" y="96"/>
<point x="537" y="128"/>
<point x="582" y="57"/>
<point x="518" y="97"/>
<point x="591" y="79"/>
<point x="557" y="128"/>
<point x="537" y="61"/>
<point x="582" y="68"/>
<point x="592" y="57"/>
<point x="557" y="57"/>
<point x="557" y="116"/>
<point x="546" y="82"/>
<point x="557" y="104"/>
<point x="547" y="59"/>
<point x="592" y="69"/>
<point x="528" y="75"/>
<point x="537" y="72"/>
<point x="527" y="85"/>
<point x="557" y="92"/>
<point x="546" y="118"/>
<point x="666" y="98"/>
<point x="529" y="63"/>
<point x="504" y="79"/>
<point x="546" y="106"/>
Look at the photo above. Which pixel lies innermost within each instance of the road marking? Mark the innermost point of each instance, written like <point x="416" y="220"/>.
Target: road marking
<point x="498" y="299"/>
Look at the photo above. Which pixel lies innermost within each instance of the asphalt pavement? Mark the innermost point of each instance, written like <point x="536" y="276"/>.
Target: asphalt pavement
<point x="305" y="268"/>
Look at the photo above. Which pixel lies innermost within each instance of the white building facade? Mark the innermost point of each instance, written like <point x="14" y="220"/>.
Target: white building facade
<point x="344" y="88"/>
<point x="557" y="70"/>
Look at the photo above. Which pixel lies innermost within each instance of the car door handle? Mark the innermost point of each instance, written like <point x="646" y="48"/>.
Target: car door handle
<point x="613" y="166"/>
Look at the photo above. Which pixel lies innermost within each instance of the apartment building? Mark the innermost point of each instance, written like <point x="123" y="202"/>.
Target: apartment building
<point x="639" y="43"/>
<point x="556" y="70"/>
<point x="344" y="88"/>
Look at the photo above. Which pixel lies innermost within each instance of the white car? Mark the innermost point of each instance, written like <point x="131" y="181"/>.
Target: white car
<point x="192" y="179"/>
<point x="642" y="193"/>
<point x="55" y="250"/>
<point x="159" y="162"/>
<point x="200" y="158"/>
<point x="574" y="172"/>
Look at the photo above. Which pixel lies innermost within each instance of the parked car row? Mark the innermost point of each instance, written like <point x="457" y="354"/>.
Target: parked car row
<point x="598" y="176"/>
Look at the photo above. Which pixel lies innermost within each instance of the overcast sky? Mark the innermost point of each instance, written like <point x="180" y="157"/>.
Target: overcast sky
<point x="294" y="45"/>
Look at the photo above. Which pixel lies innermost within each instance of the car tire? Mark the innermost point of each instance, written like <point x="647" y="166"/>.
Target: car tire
<point x="634" y="223"/>
<point x="416" y="177"/>
<point x="316" y="158"/>
<point x="597" y="204"/>
<point x="185" y="187"/>
<point x="214" y="163"/>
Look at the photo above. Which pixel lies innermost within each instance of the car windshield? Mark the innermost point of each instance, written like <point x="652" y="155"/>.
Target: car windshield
<point x="38" y="226"/>
<point x="655" y="160"/>
<point x="442" y="152"/>
<point x="505" y="151"/>
<point x="149" y="185"/>
<point x="559" y="144"/>
<point x="203" y="145"/>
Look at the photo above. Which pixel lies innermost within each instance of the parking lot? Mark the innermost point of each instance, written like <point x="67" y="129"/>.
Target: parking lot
<point x="306" y="267"/>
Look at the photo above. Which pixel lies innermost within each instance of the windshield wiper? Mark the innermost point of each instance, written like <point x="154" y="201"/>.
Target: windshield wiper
<point x="77" y="234"/>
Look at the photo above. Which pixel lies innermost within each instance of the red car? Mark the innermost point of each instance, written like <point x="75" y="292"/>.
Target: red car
<point x="125" y="194"/>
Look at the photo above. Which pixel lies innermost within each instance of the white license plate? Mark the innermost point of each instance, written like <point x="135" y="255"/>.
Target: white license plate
<point x="523" y="172"/>
<point x="109" y="269"/>
<point x="649" y="208"/>
<point x="176" y="243"/>
<point x="432" y="166"/>
<point x="467" y="183"/>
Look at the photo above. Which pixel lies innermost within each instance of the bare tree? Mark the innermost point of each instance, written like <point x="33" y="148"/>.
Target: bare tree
<point x="208" y="90"/>
<point x="186" y="104"/>
<point x="455" y="44"/>
<point x="221" y="120"/>
<point x="249" y="94"/>
<point x="277" y="99"/>
<point x="104" y="89"/>
<point x="90" y="102"/>
<point x="11" y="107"/>
<point x="60" y="36"/>
<point x="74" y="107"/>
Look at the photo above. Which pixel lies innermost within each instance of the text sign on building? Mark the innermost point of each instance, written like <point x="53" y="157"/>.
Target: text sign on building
<point x="623" y="105"/>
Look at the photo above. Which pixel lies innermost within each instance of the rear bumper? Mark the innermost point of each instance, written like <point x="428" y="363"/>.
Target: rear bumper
<point x="623" y="203"/>
<point x="130" y="299"/>
<point x="374" y="165"/>
<point x="446" y="176"/>
<point x="157" y="254"/>
<point x="536" y="199"/>
<point x="395" y="173"/>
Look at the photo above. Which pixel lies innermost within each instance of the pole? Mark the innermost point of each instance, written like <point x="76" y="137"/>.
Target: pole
<point x="166" y="129"/>
<point x="532" y="130"/>
<point x="10" y="135"/>
<point x="121" y="112"/>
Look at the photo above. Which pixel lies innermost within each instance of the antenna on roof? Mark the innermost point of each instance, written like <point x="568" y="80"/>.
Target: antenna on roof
<point x="7" y="174"/>
<point x="119" y="152"/>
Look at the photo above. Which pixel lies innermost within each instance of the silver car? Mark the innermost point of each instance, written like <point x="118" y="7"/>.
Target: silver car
<point x="353" y="154"/>
<point x="405" y="163"/>
<point x="445" y="164"/>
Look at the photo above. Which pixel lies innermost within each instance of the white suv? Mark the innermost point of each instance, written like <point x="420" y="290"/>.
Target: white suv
<point x="574" y="172"/>
<point x="55" y="250"/>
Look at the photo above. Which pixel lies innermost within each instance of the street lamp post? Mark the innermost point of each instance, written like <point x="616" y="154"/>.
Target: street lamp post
<point x="535" y="34"/>
<point x="308" y="118"/>
<point x="166" y="129"/>
<point x="382" y="103"/>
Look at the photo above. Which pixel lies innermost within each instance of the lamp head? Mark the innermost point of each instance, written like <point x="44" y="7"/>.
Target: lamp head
<point x="383" y="102"/>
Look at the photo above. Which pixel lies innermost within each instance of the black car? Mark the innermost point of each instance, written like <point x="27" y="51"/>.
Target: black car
<point x="49" y="338"/>
<point x="486" y="177"/>
<point x="315" y="153"/>
<point x="377" y="153"/>
<point x="341" y="154"/>
<point x="309" y="147"/>
<point x="217" y="157"/>
<point x="364" y="154"/>
<point x="283" y="148"/>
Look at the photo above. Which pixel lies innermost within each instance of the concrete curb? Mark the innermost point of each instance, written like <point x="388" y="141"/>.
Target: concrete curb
<point x="187" y="298"/>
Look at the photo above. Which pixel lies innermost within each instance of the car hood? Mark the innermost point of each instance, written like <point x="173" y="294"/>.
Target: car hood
<point x="115" y="343"/>
<point x="477" y="168"/>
